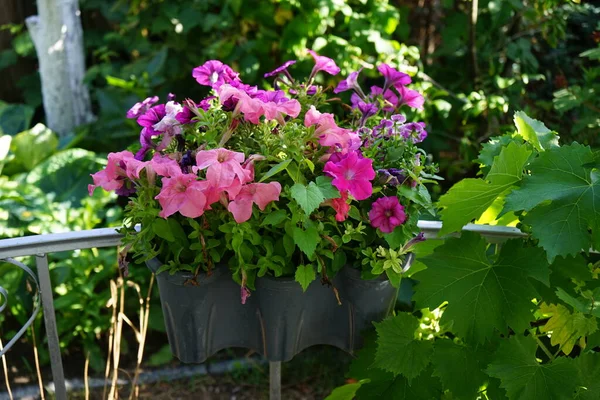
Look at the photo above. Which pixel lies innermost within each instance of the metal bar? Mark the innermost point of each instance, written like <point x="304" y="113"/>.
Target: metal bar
<point x="58" y="372"/>
<point x="56" y="242"/>
<point x="275" y="380"/>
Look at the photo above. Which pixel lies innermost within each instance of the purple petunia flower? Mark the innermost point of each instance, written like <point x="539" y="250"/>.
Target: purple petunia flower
<point x="171" y="97"/>
<point x="214" y="73"/>
<point x="350" y="83"/>
<point x="389" y="96"/>
<point x="393" y="77"/>
<point x="414" y="131"/>
<point x="281" y="69"/>
<point x="410" y="97"/>
<point x="151" y="117"/>
<point x="391" y="176"/>
<point x="398" y="118"/>
<point x="141" y="107"/>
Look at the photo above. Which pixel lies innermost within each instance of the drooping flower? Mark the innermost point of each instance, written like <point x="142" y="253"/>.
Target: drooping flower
<point x="141" y="107"/>
<point x="222" y="166"/>
<point x="393" y="77"/>
<point x="329" y="133"/>
<point x="323" y="63"/>
<point x="410" y="97"/>
<point x="350" y="83"/>
<point x="281" y="69"/>
<point x="114" y="176"/>
<point x="183" y="193"/>
<point x="352" y="173"/>
<point x="387" y="213"/>
<point x="341" y="207"/>
<point x="260" y="194"/>
<point x="214" y="73"/>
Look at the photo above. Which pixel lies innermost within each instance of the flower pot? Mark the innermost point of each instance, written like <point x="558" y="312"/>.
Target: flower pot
<point x="279" y="320"/>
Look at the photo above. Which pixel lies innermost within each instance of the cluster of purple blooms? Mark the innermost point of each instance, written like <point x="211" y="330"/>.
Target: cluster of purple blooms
<point x="396" y="125"/>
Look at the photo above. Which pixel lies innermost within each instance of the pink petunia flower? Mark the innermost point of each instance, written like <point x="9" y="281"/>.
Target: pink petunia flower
<point x="214" y="73"/>
<point x="323" y="63"/>
<point x="386" y="214"/>
<point x="165" y="166"/>
<point x="114" y="176"/>
<point x="341" y="207"/>
<point x="222" y="165"/>
<point x="183" y="193"/>
<point x="410" y="97"/>
<point x="329" y="133"/>
<point x="393" y="77"/>
<point x="352" y="173"/>
<point x="260" y="194"/>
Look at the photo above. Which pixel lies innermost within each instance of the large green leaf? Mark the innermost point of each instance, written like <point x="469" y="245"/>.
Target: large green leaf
<point x="560" y="175"/>
<point x="588" y="371"/>
<point x="66" y="174"/>
<point x="33" y="146"/>
<point x="483" y="295"/>
<point x="469" y="198"/>
<point x="308" y="197"/>
<point x="14" y="118"/>
<point x="524" y="378"/>
<point x="458" y="368"/>
<point x="398" y="349"/>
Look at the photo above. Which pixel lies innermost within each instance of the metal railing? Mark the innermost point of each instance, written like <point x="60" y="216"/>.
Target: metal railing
<point x="42" y="245"/>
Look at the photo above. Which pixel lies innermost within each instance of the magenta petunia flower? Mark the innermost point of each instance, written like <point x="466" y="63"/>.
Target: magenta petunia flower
<point x="391" y="100"/>
<point x="386" y="214"/>
<point x="260" y="194"/>
<point x="352" y="173"/>
<point x="183" y="193"/>
<point x="393" y="77"/>
<point x="323" y="63"/>
<point x="281" y="69"/>
<point x="350" y="83"/>
<point x="410" y="97"/>
<point x="141" y="107"/>
<point x="214" y="73"/>
<point x="151" y="117"/>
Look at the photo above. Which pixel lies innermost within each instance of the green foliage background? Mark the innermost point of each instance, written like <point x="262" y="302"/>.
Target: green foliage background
<point x="540" y="56"/>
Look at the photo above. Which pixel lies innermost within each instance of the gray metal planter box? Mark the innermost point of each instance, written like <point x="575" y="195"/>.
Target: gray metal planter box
<point x="278" y="319"/>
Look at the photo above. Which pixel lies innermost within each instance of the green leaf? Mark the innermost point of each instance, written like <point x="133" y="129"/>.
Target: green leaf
<point x="305" y="274"/>
<point x="588" y="371"/>
<point x="469" y="198"/>
<point x="483" y="295"/>
<point x="161" y="228"/>
<point x="346" y="392"/>
<point x="161" y="357"/>
<point x="524" y="378"/>
<point x="535" y="132"/>
<point x="458" y="368"/>
<point x="559" y="176"/>
<point x="276" y="169"/>
<point x="327" y="189"/>
<point x="398" y="351"/>
<point x="582" y="304"/>
<point x="33" y="146"/>
<point x="306" y="240"/>
<point x="566" y="328"/>
<point x="274" y="218"/>
<point x="308" y="197"/>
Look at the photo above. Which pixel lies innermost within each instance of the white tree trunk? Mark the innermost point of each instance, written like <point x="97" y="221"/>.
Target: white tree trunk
<point x="58" y="38"/>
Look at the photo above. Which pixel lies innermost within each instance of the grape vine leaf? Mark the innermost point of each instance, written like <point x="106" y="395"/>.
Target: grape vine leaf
<point x="307" y="240"/>
<point x="305" y="274"/>
<point x="588" y="369"/>
<point x="535" y="132"/>
<point x="524" y="378"/>
<point x="566" y="328"/>
<point x="483" y="295"/>
<point x="458" y="368"/>
<point x="384" y="385"/>
<point x="308" y="197"/>
<point x="469" y="198"/>
<point x="585" y="305"/>
<point x="327" y="189"/>
<point x="398" y="351"/>
<point x="559" y="175"/>
<point x="346" y="392"/>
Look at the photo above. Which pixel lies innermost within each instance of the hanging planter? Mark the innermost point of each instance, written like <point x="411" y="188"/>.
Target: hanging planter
<point x="254" y="198"/>
<point x="279" y="320"/>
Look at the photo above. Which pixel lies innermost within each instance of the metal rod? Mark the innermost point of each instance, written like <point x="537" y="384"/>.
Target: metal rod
<point x="275" y="380"/>
<point x="58" y="373"/>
